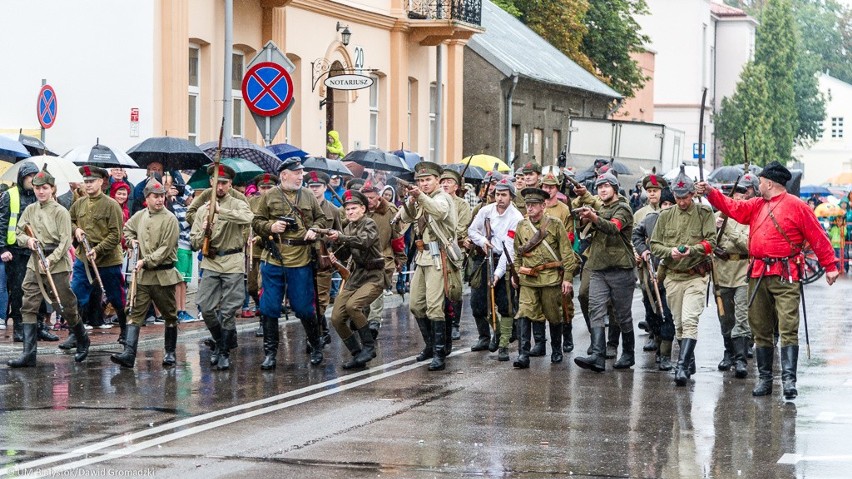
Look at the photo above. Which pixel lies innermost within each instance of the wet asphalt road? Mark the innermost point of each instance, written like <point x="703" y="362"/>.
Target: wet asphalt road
<point x="479" y="418"/>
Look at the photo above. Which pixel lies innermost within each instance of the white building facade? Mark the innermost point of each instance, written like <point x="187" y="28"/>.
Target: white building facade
<point x="831" y="154"/>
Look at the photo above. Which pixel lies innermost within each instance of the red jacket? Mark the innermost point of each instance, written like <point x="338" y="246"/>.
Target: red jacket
<point x="765" y="241"/>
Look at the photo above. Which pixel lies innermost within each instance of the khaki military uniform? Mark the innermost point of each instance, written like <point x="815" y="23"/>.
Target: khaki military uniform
<point x="359" y="241"/>
<point x="256" y="251"/>
<point x="383" y="215"/>
<point x="520" y="204"/>
<point x="100" y="217"/>
<point x="295" y="251"/>
<point x="220" y="290"/>
<point x="51" y="224"/>
<point x="541" y="272"/>
<point x="685" y="280"/>
<point x="332" y="214"/>
<point x="428" y="284"/>
<point x="157" y="234"/>
<point x="204" y="197"/>
<point x="732" y="280"/>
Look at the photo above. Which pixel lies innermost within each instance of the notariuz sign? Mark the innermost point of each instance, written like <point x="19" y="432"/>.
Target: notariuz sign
<point x="348" y="81"/>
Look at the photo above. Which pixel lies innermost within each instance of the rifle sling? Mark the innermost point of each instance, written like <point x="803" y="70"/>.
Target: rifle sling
<point x="538" y="236"/>
<point x="41" y="288"/>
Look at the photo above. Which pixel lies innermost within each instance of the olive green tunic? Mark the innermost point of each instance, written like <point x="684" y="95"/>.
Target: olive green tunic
<point x="275" y="204"/>
<point x="689" y="228"/>
<point x="101" y="219"/>
<point x="230" y="225"/>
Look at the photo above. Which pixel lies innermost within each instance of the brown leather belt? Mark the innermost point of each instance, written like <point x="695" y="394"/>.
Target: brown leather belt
<point x="533" y="271"/>
<point x="293" y="242"/>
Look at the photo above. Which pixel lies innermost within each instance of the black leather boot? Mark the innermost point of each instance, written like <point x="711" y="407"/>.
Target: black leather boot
<point x="82" y="342"/>
<point x="224" y="351"/>
<point x="538" y="334"/>
<point x="567" y="338"/>
<point x="374" y="326"/>
<point x="613" y="335"/>
<point x="354" y="348"/>
<point x="69" y="343"/>
<point x="727" y="358"/>
<point x="314" y="339"/>
<point x="596" y="361"/>
<point x="484" y="335"/>
<point x="448" y="336"/>
<point x="750" y="347"/>
<point x="682" y="371"/>
<point x="426" y="331"/>
<point x="216" y="333"/>
<point x="665" y="356"/>
<point x="122" y="325"/>
<point x="258" y="333"/>
<point x="525" y="337"/>
<point x="325" y="336"/>
<point x="170" y="344"/>
<point x="232" y="341"/>
<point x="789" y="362"/>
<point x="764" y="357"/>
<point x="368" y="347"/>
<point x="28" y="357"/>
<point x="270" y="342"/>
<point x="628" y="345"/>
<point x="18" y="331"/>
<point x="503" y="354"/>
<point x="127" y="359"/>
<point x="44" y="333"/>
<point x="514" y="336"/>
<point x="556" y="342"/>
<point x="439" y="351"/>
<point x="740" y="361"/>
<point x="650" y="343"/>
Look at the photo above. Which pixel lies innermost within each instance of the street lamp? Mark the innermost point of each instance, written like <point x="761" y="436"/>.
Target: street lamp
<point x="346" y="34"/>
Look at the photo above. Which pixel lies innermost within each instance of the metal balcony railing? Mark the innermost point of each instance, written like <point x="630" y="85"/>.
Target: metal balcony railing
<point x="468" y="11"/>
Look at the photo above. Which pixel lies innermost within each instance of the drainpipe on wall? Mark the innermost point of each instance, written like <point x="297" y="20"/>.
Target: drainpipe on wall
<point x="439" y="99"/>
<point x="227" y="97"/>
<point x="509" y="96"/>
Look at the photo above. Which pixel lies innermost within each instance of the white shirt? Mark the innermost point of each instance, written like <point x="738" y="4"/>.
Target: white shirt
<point x="502" y="230"/>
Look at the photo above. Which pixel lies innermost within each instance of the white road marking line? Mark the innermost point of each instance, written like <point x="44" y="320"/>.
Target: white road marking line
<point x="797" y="458"/>
<point x="119" y="440"/>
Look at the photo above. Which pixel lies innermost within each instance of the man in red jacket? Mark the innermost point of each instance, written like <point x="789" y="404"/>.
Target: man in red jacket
<point x="780" y="226"/>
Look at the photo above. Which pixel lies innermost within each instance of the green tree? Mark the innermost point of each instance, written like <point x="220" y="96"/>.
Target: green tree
<point x="613" y="34"/>
<point x="810" y="104"/>
<point x="777" y="51"/>
<point x="747" y="114"/>
<point x="560" y="22"/>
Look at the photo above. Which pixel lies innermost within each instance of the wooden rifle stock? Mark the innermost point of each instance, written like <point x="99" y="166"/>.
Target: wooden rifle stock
<point x="88" y="249"/>
<point x="489" y="257"/>
<point x="217" y="160"/>
<point x="341" y="269"/>
<point x="42" y="261"/>
<point x="134" y="258"/>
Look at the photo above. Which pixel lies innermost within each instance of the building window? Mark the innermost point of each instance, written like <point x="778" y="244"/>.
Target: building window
<point x="820" y="130"/>
<point x="433" y="121"/>
<point x="538" y="146"/>
<point x="374" y="113"/>
<point x="837" y="127"/>
<point x="237" y="69"/>
<point x="194" y="110"/>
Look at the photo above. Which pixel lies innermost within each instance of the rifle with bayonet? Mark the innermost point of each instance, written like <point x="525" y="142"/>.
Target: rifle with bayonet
<point x="89" y="250"/>
<point x="343" y="270"/>
<point x="134" y="275"/>
<point x="45" y="268"/>
<point x="206" y="250"/>
<point x="489" y="258"/>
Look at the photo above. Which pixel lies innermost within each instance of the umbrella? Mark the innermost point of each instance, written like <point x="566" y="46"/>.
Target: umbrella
<point x="173" y="153"/>
<point x="284" y="151"/>
<point x="12" y="148"/>
<point x="618" y="166"/>
<point x="245" y="170"/>
<point x="809" y="190"/>
<point x="844" y="178"/>
<point x="730" y="173"/>
<point x="410" y="157"/>
<point x="326" y="165"/>
<point x="100" y="155"/>
<point x="486" y="162"/>
<point x="827" y="209"/>
<point x="473" y="173"/>
<point x="34" y="145"/>
<point x="356" y="169"/>
<point x="378" y="160"/>
<point x="242" y="148"/>
<point x="61" y="168"/>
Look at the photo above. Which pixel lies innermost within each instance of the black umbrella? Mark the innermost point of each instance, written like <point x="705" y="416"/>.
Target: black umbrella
<point x="100" y="155"/>
<point x="34" y="145"/>
<point x="242" y="148"/>
<point x="473" y="173"/>
<point x="618" y="166"/>
<point x="173" y="153"/>
<point x="730" y="174"/>
<point x="326" y="165"/>
<point x="585" y="175"/>
<point x="378" y="160"/>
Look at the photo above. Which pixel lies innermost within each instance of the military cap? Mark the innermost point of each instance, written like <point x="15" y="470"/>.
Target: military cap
<point x="316" y="178"/>
<point x="493" y="176"/>
<point x="519" y="171"/>
<point x="427" y="168"/>
<point x="265" y="179"/>
<point x="654" y="181"/>
<point x="226" y="173"/>
<point x="355" y="184"/>
<point x="448" y="174"/>
<point x="44" y="177"/>
<point x="369" y="187"/>
<point x="534" y="195"/>
<point x="154" y="187"/>
<point x="93" y="172"/>
<point x="749" y="180"/>
<point x="682" y="184"/>
<point x="293" y="163"/>
<point x="600" y="162"/>
<point x="505" y="185"/>
<point x="531" y="167"/>
<point x="607" y="177"/>
<point x="776" y="172"/>
<point x="354" y="196"/>
<point x="551" y="178"/>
